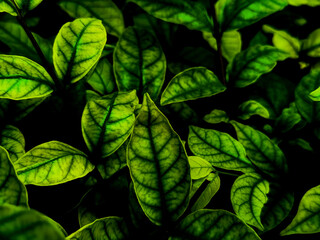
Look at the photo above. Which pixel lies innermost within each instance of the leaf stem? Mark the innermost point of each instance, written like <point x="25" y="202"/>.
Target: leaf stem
<point x="227" y="173"/>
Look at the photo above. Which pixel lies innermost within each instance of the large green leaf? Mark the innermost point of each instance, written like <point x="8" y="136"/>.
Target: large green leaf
<point x="107" y="122"/>
<point x="189" y="13"/>
<point x="263" y="153"/>
<point x="159" y="170"/>
<point x="191" y="84"/>
<point x="108" y="228"/>
<point x="8" y="7"/>
<point x="21" y="78"/>
<point x="219" y="148"/>
<point x="238" y="13"/>
<point x="139" y="62"/>
<point x="250" y="64"/>
<point x="12" y="191"/>
<point x="13" y="141"/>
<point x="307" y="219"/>
<point x="199" y="168"/>
<point x="309" y="109"/>
<point x="248" y="196"/>
<point x="77" y="48"/>
<point x="105" y="10"/>
<point x="52" y="163"/>
<point x="312" y="44"/>
<point x="213" y="224"/>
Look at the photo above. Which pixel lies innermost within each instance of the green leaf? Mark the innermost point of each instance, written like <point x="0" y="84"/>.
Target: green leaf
<point x="252" y="107"/>
<point x="250" y="64"/>
<point x="216" y="116"/>
<point x="22" y="108"/>
<point x="307" y="218"/>
<point x="288" y="118"/>
<point x="102" y="79"/>
<point x="191" y="84"/>
<point x="199" y="168"/>
<point x="191" y="14"/>
<point x="309" y="109"/>
<point x="52" y="163"/>
<point x="263" y="153"/>
<point x="284" y="41"/>
<point x="160" y="170"/>
<point x="13" y="141"/>
<point x="238" y="13"/>
<point x="24" y="224"/>
<point x="107" y="122"/>
<point x="219" y="148"/>
<point x="312" y="44"/>
<point x="105" y="10"/>
<point x="109" y="228"/>
<point x="139" y="62"/>
<point x="27" y="5"/>
<point x="248" y="196"/>
<point x="183" y="112"/>
<point x="315" y="95"/>
<point x="311" y="3"/>
<point x="213" y="224"/>
<point x="75" y="50"/>
<point x="8" y="7"/>
<point x="21" y="78"/>
<point x="12" y="191"/>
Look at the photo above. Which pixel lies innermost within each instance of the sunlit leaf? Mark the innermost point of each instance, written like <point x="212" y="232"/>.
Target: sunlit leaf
<point x="191" y="14"/>
<point x="24" y="224"/>
<point x="8" y="7"/>
<point x="191" y="84"/>
<point x="219" y="148"/>
<point x="238" y="14"/>
<point x="160" y="170"/>
<point x="248" y="196"/>
<point x="75" y="50"/>
<point x="213" y="224"/>
<point x="216" y="116"/>
<point x="21" y="78"/>
<point x="139" y="62"/>
<point x="108" y="121"/>
<point x="252" y="107"/>
<point x="105" y="10"/>
<point x="288" y="118"/>
<point x="22" y="108"/>
<point x="12" y="191"/>
<point x="312" y="44"/>
<point x="199" y="168"/>
<point x="27" y="5"/>
<point x="307" y="218"/>
<point x="311" y="3"/>
<point x="13" y="141"/>
<point x="263" y="153"/>
<point x="250" y="64"/>
<point x="52" y="163"/>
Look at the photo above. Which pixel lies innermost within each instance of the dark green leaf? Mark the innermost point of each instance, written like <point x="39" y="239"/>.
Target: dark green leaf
<point x="312" y="44"/>
<point x="288" y="118"/>
<point x="216" y="116"/>
<point x="22" y="108"/>
<point x="160" y="171"/>
<point x="183" y="111"/>
<point x="252" y="107"/>
<point x="27" y="5"/>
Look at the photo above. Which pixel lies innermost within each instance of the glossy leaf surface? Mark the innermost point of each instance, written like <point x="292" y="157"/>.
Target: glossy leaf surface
<point x="213" y="224"/>
<point x="107" y="122"/>
<point x="12" y="191"/>
<point x="199" y="167"/>
<point x="75" y="50"/>
<point x="8" y="7"/>
<point x="160" y="170"/>
<point x="13" y="141"/>
<point x="27" y="5"/>
<point x="52" y="163"/>
<point x="105" y="10"/>
<point x="219" y="148"/>
<point x="21" y="78"/>
<point x="139" y="62"/>
<point x="248" y="196"/>
<point x="252" y="107"/>
<point x="192" y="84"/>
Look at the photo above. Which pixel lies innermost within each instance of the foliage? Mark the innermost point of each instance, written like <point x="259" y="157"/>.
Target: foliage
<point x="142" y="119"/>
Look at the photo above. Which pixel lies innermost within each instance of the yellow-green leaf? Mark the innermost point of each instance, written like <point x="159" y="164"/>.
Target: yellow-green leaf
<point x="311" y="3"/>
<point x="8" y="7"/>
<point x="13" y="141"/>
<point x="52" y="163"/>
<point x="312" y="44"/>
<point x="21" y="78"/>
<point x="27" y="5"/>
<point x="199" y="167"/>
<point x="77" y="48"/>
<point x="159" y="170"/>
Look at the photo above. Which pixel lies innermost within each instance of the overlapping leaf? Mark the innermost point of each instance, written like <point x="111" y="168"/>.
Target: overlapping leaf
<point x="248" y="196"/>
<point x="27" y="5"/>
<point x="139" y="62"/>
<point x="13" y="141"/>
<point x="77" y="48"/>
<point x="52" y="163"/>
<point x="253" y="107"/>
<point x="263" y="153"/>
<point x="312" y="44"/>
<point x="238" y="14"/>
<point x="250" y="64"/>
<point x="199" y="168"/>
<point x="307" y="219"/>
<point x="288" y="118"/>
<point x="183" y="111"/>
<point x="22" y="108"/>
<point x="216" y="116"/>
<point x="105" y="10"/>
<point x="311" y="3"/>
<point x="107" y="122"/>
<point x="191" y="14"/>
<point x="219" y="148"/>
<point x="190" y="84"/>
<point x="21" y="78"/>
<point x="8" y="7"/>
<point x="23" y="224"/>
<point x="160" y="170"/>
<point x="213" y="224"/>
<point x="12" y="191"/>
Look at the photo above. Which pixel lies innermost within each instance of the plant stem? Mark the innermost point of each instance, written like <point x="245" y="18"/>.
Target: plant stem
<point x="227" y="173"/>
